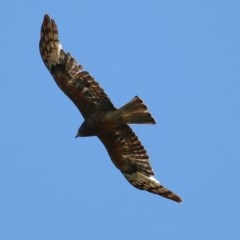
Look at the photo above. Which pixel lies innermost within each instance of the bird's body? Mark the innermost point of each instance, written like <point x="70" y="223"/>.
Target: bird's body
<point x="101" y="118"/>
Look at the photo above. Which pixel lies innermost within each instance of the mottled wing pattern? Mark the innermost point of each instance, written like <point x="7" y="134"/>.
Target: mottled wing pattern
<point x="77" y="84"/>
<point x="130" y="157"/>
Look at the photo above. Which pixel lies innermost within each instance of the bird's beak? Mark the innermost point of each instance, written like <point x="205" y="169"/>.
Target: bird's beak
<point x="77" y="135"/>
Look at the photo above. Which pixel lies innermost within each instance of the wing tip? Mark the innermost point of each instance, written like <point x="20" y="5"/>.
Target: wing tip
<point x="173" y="196"/>
<point x="152" y="185"/>
<point x="49" y="44"/>
<point x="46" y="17"/>
<point x="177" y="199"/>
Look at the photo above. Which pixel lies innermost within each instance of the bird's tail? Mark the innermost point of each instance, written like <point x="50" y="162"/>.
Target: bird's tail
<point x="135" y="111"/>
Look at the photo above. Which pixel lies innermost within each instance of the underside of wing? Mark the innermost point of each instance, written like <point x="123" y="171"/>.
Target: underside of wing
<point x="126" y="151"/>
<point x="130" y="157"/>
<point x="77" y="84"/>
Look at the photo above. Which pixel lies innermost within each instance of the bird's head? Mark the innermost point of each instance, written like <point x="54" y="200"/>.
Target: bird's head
<point x="85" y="130"/>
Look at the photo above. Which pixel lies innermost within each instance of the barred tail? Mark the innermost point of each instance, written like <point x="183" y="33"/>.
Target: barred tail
<point x="135" y="111"/>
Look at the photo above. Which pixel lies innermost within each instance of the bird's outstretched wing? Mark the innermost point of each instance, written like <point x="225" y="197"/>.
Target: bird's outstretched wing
<point x="130" y="157"/>
<point x="76" y="83"/>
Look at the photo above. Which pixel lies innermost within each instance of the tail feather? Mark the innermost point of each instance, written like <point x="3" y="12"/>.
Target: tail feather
<point x="135" y="111"/>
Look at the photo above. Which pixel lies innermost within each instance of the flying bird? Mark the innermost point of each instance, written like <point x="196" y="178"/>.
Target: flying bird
<point x="101" y="118"/>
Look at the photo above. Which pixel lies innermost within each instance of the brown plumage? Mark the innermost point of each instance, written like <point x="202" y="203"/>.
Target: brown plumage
<point x="101" y="118"/>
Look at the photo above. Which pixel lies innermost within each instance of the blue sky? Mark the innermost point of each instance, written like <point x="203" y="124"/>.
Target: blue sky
<point x="182" y="58"/>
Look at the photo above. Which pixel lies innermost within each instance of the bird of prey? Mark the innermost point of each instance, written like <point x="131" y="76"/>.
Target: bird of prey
<point x="101" y="118"/>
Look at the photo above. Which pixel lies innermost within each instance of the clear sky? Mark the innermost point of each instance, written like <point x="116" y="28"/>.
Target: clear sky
<point x="183" y="59"/>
